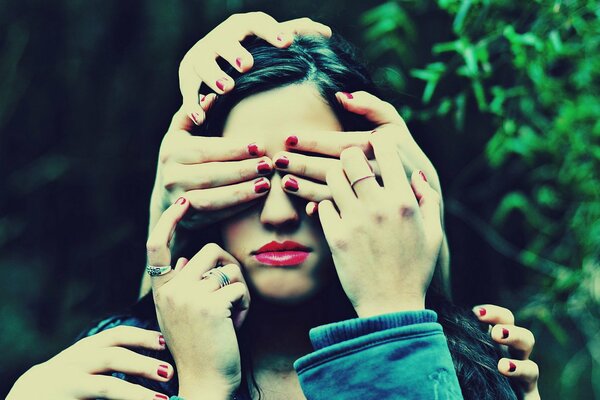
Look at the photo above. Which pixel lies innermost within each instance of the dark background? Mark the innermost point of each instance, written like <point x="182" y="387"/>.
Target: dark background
<point x="88" y="89"/>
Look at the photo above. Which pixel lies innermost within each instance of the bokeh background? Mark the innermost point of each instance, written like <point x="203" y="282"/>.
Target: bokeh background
<point x="502" y="95"/>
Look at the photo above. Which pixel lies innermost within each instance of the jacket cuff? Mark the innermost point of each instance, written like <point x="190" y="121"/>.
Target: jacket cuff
<point x="327" y="335"/>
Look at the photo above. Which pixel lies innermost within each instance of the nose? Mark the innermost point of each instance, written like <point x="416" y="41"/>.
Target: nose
<point x="280" y="212"/>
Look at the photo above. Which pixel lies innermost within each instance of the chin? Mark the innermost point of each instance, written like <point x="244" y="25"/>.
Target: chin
<point x="291" y="290"/>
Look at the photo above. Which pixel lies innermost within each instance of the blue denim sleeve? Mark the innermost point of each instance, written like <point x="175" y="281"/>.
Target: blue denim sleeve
<point x="401" y="355"/>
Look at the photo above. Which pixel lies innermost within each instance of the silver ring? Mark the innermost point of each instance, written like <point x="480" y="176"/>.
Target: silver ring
<point x="154" y="270"/>
<point x="217" y="273"/>
<point x="360" y="179"/>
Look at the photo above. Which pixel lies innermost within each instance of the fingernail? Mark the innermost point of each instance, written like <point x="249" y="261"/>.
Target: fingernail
<point x="221" y="83"/>
<point x="261" y="185"/>
<point x="291" y="184"/>
<point x="373" y="131"/>
<point x="238" y="62"/>
<point x="482" y="311"/>
<point x="282" y="162"/>
<point x="181" y="201"/>
<point x="291" y="140"/>
<point x="161" y="340"/>
<point x="196" y="118"/>
<point x="163" y="370"/>
<point x="315" y="208"/>
<point x="203" y="98"/>
<point x="504" y="333"/>
<point x="348" y="95"/>
<point x="263" y="167"/>
<point x="253" y="149"/>
<point x="423" y="175"/>
<point x="511" y="366"/>
<point x="159" y="396"/>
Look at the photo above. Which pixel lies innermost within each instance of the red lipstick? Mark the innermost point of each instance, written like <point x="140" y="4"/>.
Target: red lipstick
<point x="286" y="253"/>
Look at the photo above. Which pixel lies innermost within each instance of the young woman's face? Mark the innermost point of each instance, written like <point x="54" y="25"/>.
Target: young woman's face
<point x="272" y="116"/>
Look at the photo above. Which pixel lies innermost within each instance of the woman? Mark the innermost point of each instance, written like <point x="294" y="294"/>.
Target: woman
<point x="313" y="282"/>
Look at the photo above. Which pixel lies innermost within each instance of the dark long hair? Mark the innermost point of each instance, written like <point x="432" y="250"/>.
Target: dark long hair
<point x="331" y="65"/>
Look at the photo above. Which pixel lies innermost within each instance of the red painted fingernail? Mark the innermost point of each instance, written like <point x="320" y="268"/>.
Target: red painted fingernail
<point x="482" y="311"/>
<point x="291" y="184"/>
<point x="315" y="208"/>
<point x="181" y="201"/>
<point x="196" y="118"/>
<point x="504" y="333"/>
<point x="203" y="98"/>
<point x="348" y="95"/>
<point x="282" y="162"/>
<point x="159" y="396"/>
<point x="291" y="140"/>
<point x="263" y="167"/>
<point x="163" y="370"/>
<point x="261" y="185"/>
<point x="253" y="149"/>
<point x="423" y="176"/>
<point x="238" y="62"/>
<point x="161" y="340"/>
<point x="221" y="83"/>
<point x="511" y="366"/>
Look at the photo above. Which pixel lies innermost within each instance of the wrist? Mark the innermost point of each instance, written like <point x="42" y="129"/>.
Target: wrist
<point x="406" y="303"/>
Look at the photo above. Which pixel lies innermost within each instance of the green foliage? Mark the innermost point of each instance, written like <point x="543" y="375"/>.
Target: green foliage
<point x="533" y="70"/>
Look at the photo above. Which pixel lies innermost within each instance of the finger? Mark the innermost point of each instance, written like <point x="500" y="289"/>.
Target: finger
<point x="201" y="149"/>
<point x="189" y="84"/>
<point x="311" y="208"/>
<point x="266" y="27"/>
<point x="309" y="166"/>
<point x="221" y="197"/>
<point x="525" y="371"/>
<point x="237" y="297"/>
<point x="341" y="192"/>
<point x="330" y="143"/>
<point x="232" y="272"/>
<point x="330" y="220"/>
<point x="129" y="336"/>
<point x="236" y="55"/>
<point x="159" y="253"/>
<point x="306" y="26"/>
<point x="493" y="314"/>
<point x="214" y="174"/>
<point x="205" y="259"/>
<point x="111" y="388"/>
<point x="520" y="341"/>
<point x="305" y="189"/>
<point x="120" y="359"/>
<point x="429" y="204"/>
<point x="206" y="101"/>
<point x="373" y="108"/>
<point x="181" y="263"/>
<point x="359" y="172"/>
<point x="391" y="168"/>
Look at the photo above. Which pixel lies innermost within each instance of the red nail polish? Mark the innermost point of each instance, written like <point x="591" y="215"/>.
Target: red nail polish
<point x="291" y="184"/>
<point x="161" y="340"/>
<point x="196" y="118"/>
<point x="282" y="162"/>
<point x="253" y="149"/>
<point x="423" y="176"/>
<point x="504" y="333"/>
<point x="238" y="62"/>
<point x="263" y="167"/>
<point x="163" y="370"/>
<point x="291" y="141"/>
<point x="159" y="396"/>
<point x="181" y="201"/>
<point x="202" y="98"/>
<point x="261" y="185"/>
<point x="348" y="95"/>
<point x="221" y="83"/>
<point x="315" y="208"/>
<point x="511" y="366"/>
<point x="482" y="312"/>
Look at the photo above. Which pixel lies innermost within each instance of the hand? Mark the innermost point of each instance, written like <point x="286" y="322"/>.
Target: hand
<point x="384" y="244"/>
<point x="519" y="342"/>
<point x="196" y="316"/>
<point x="199" y="65"/>
<point x="78" y="371"/>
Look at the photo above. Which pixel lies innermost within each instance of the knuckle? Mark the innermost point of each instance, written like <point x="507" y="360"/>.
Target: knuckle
<point x="153" y="247"/>
<point x="202" y="203"/>
<point x="407" y="211"/>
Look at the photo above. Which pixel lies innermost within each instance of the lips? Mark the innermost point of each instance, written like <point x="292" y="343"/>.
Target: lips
<point x="280" y="254"/>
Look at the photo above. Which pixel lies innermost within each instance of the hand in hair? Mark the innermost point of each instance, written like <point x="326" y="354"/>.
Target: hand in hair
<point x="199" y="63"/>
<point x="79" y="372"/>
<point x="519" y="342"/>
<point x="198" y="317"/>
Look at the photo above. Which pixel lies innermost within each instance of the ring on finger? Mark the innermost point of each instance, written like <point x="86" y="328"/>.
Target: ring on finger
<point x="354" y="182"/>
<point x="154" y="270"/>
<point x="217" y="273"/>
